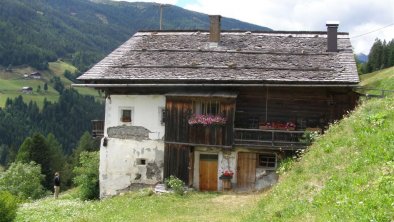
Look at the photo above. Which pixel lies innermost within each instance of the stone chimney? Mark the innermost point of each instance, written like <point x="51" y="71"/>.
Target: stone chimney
<point x="332" y="36"/>
<point x="214" y="30"/>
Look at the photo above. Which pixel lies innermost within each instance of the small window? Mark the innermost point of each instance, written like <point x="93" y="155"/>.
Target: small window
<point x="267" y="160"/>
<point x="141" y="161"/>
<point x="126" y="115"/>
<point x="206" y="107"/>
<point x="162" y="115"/>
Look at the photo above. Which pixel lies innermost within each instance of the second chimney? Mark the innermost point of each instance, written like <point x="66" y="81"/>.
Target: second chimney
<point x="214" y="30"/>
<point x="332" y="35"/>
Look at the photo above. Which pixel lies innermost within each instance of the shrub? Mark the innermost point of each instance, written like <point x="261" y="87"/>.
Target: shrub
<point x="8" y="206"/>
<point x="285" y="166"/>
<point x="176" y="184"/>
<point x="23" y="180"/>
<point x="309" y="137"/>
<point x="87" y="175"/>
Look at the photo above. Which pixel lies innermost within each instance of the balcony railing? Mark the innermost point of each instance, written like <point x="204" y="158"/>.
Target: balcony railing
<point x="97" y="128"/>
<point x="269" y="138"/>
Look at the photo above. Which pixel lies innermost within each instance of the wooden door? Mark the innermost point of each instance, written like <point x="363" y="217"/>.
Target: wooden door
<point x="208" y="172"/>
<point x="246" y="170"/>
<point x="177" y="162"/>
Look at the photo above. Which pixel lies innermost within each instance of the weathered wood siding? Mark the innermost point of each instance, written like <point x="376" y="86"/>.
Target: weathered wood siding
<point x="246" y="170"/>
<point x="178" y="162"/>
<point x="307" y="106"/>
<point x="178" y="130"/>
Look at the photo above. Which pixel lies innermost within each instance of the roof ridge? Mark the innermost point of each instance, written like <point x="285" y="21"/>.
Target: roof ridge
<point x="241" y="31"/>
<point x="230" y="66"/>
<point x="302" y="52"/>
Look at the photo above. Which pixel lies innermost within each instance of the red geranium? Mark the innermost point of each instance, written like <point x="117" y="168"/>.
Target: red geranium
<point x="227" y="174"/>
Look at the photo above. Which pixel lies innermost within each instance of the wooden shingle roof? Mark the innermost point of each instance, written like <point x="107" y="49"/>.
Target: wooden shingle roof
<point x="240" y="57"/>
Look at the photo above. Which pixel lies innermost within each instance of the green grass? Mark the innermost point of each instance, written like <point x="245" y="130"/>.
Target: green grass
<point x="382" y="79"/>
<point x="11" y="88"/>
<point x="58" y="68"/>
<point x="141" y="206"/>
<point x="11" y="83"/>
<point x="347" y="175"/>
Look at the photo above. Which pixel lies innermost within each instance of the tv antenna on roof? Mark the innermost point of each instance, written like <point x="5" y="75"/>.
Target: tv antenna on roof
<point x="161" y="13"/>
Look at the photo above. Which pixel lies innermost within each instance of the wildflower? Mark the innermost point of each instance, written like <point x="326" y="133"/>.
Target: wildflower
<point x="206" y="120"/>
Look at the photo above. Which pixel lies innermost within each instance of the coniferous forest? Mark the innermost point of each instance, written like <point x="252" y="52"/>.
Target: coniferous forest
<point x="67" y="120"/>
<point x="380" y="56"/>
<point x="82" y="31"/>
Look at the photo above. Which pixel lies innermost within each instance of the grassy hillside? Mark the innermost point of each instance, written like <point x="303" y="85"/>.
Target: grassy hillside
<point x="382" y="79"/>
<point x="11" y="83"/>
<point x="347" y="175"/>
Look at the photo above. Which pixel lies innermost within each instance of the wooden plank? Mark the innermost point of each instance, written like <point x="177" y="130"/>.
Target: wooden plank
<point x="246" y="170"/>
<point x="208" y="174"/>
<point x="178" y="129"/>
<point x="177" y="161"/>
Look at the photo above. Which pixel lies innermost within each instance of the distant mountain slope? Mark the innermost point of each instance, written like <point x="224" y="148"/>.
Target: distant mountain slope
<point x="35" y="32"/>
<point x="362" y="57"/>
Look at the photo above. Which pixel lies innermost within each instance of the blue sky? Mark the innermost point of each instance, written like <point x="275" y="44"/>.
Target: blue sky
<point x="183" y="3"/>
<point x="357" y="17"/>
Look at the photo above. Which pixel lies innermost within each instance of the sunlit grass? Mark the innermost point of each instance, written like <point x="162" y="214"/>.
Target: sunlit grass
<point x="12" y="82"/>
<point x="58" y="69"/>
<point x="382" y="79"/>
<point x="12" y="89"/>
<point x="347" y="175"/>
<point x="141" y="206"/>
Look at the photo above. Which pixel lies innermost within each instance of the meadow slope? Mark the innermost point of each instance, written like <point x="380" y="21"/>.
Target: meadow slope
<point x="346" y="175"/>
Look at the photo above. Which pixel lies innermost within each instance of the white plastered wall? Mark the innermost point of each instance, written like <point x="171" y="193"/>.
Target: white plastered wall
<point x="120" y="159"/>
<point x="146" y="112"/>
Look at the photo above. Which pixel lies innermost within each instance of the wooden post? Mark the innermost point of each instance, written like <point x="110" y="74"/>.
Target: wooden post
<point x="161" y="15"/>
<point x="272" y="139"/>
<point x="226" y="183"/>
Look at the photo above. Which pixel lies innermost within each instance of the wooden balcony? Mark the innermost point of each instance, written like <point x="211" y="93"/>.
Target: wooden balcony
<point x="270" y="139"/>
<point x="97" y="128"/>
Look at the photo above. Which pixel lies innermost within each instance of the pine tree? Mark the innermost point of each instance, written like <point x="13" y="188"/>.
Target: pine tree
<point x="58" y="160"/>
<point x="36" y="149"/>
<point x="86" y="143"/>
<point x="390" y="46"/>
<point x="375" y="56"/>
<point x="45" y="87"/>
<point x="381" y="55"/>
<point x="57" y="156"/>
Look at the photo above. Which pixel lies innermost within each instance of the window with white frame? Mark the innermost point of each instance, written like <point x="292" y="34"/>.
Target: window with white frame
<point x="267" y="160"/>
<point x="126" y="115"/>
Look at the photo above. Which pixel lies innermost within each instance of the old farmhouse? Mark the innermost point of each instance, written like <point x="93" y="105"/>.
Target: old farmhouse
<point x="195" y="104"/>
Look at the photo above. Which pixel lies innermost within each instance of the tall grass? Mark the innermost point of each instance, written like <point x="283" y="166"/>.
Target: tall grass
<point x="347" y="175"/>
